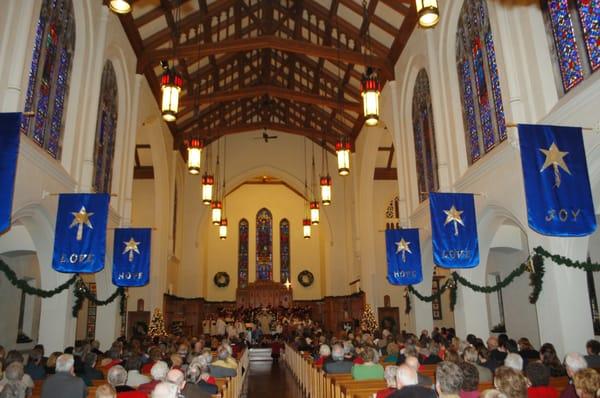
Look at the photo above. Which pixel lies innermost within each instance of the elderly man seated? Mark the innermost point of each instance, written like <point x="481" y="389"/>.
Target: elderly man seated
<point x="64" y="383"/>
<point x="225" y="365"/>
<point x="574" y="362"/>
<point x="165" y="390"/>
<point x="13" y="387"/>
<point x="196" y="376"/>
<point x="406" y="381"/>
<point x="338" y="364"/>
<point x="117" y="377"/>
<point x="159" y="373"/>
<point x="187" y="390"/>
<point x="390" y="378"/>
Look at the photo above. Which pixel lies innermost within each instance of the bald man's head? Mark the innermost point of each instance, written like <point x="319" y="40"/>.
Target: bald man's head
<point x="406" y="376"/>
<point x="176" y="377"/>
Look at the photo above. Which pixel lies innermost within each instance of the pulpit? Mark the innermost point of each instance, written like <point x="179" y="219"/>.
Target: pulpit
<point x="263" y="293"/>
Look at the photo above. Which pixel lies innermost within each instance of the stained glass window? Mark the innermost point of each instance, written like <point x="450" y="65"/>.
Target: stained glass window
<point x="49" y="75"/>
<point x="574" y="27"/>
<point x="264" y="245"/>
<point x="243" y="253"/>
<point x="106" y="128"/>
<point x="483" y="112"/>
<point x="284" y="247"/>
<point x="425" y="152"/>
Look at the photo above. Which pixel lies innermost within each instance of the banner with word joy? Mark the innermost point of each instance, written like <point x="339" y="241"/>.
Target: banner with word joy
<point x="403" y="256"/>
<point x="131" y="257"/>
<point x="9" y="150"/>
<point x="454" y="230"/>
<point x="80" y="234"/>
<point x="557" y="185"/>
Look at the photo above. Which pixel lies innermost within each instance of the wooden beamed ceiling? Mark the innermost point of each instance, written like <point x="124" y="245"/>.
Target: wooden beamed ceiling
<point x="287" y="65"/>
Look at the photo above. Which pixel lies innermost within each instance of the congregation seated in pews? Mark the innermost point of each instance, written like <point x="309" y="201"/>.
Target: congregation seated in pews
<point x="381" y="364"/>
<point x="169" y="367"/>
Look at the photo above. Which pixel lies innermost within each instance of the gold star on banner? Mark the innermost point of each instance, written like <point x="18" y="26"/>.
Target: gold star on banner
<point x="131" y="246"/>
<point x="81" y="218"/>
<point x="403" y="246"/>
<point x="454" y="215"/>
<point x="554" y="158"/>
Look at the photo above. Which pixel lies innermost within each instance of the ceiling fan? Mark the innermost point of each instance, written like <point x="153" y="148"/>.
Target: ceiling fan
<point x="265" y="136"/>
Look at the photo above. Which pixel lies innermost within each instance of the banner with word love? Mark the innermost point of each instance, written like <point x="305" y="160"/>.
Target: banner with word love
<point x="454" y="230"/>
<point x="80" y="233"/>
<point x="131" y="257"/>
<point x="557" y="185"/>
<point x="403" y="256"/>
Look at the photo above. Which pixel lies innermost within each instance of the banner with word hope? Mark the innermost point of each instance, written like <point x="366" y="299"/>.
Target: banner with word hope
<point x="131" y="257"/>
<point x="454" y="230"/>
<point x="80" y="233"/>
<point x="557" y="184"/>
<point x="403" y="256"/>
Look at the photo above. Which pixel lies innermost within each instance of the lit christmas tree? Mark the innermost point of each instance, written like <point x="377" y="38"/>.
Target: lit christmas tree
<point x="157" y="325"/>
<point x="368" y="322"/>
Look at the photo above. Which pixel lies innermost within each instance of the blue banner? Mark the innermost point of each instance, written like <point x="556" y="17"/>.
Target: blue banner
<point x="557" y="185"/>
<point x="9" y="150"/>
<point x="403" y="256"/>
<point x="80" y="235"/>
<point x="454" y="230"/>
<point x="131" y="257"/>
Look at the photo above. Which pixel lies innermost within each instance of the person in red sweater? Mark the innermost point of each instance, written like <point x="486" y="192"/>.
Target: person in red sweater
<point x="324" y="354"/>
<point x="539" y="377"/>
<point x="158" y="373"/>
<point x="155" y="356"/>
<point x="390" y="378"/>
<point x="117" y="377"/>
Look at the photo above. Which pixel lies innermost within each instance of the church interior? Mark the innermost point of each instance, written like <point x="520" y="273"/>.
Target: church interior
<point x="273" y="150"/>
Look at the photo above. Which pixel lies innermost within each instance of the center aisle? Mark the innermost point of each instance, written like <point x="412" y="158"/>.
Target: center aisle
<point x="271" y="379"/>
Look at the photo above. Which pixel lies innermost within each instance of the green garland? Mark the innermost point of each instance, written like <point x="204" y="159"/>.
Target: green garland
<point x="536" y="277"/>
<point x="429" y="299"/>
<point x="407" y="303"/>
<point x="82" y="292"/>
<point x="24" y="286"/>
<point x="584" y="266"/>
<point x="520" y="270"/>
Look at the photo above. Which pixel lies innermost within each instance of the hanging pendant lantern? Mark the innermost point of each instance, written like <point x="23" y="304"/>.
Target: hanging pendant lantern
<point x="217" y="208"/>
<point x="306" y="228"/>
<point x="342" y="148"/>
<point x="120" y="6"/>
<point x="194" y="156"/>
<point x="314" y="213"/>
<point x="171" y="83"/>
<point x="326" y="190"/>
<point x="207" y="187"/>
<point x="370" y="89"/>
<point x="428" y="13"/>
<point x="223" y="229"/>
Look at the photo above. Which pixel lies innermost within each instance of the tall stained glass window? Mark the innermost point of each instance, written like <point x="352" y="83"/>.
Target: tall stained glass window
<point x="574" y="28"/>
<point x="243" y="253"/>
<point x="49" y="75"/>
<point x="425" y="152"/>
<point x="481" y="98"/>
<point x="106" y="128"/>
<point x="284" y="247"/>
<point x="264" y="245"/>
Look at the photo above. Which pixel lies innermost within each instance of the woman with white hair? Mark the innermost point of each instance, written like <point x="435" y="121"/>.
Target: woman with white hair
<point x="390" y="378"/>
<point x="324" y="354"/>
<point x="165" y="390"/>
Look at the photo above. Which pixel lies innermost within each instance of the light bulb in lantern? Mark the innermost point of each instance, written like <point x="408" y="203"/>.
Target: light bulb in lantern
<point x="170" y="86"/>
<point x="325" y="183"/>
<point x="342" y="148"/>
<point x="216" y="208"/>
<point x="194" y="156"/>
<point x="370" y="90"/>
<point x="428" y="13"/>
<point x="120" y="6"/>
<point x="314" y="213"/>
<point x="306" y="228"/>
<point x="223" y="229"/>
<point x="207" y="187"/>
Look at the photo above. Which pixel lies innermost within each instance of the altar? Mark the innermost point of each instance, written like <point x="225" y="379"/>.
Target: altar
<point x="263" y="293"/>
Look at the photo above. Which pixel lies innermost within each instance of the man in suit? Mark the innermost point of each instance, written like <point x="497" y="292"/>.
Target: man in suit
<point x="89" y="369"/>
<point x="64" y="383"/>
<point x="407" y="383"/>
<point x="337" y="364"/>
<point x="422" y="380"/>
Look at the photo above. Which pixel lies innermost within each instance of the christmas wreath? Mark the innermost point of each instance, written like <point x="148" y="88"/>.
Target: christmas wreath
<point x="221" y="279"/>
<point x="306" y="278"/>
